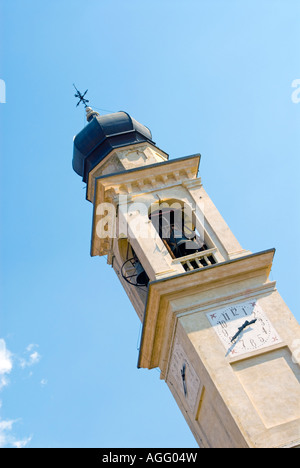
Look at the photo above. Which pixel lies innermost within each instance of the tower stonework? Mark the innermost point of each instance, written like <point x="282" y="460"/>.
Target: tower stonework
<point x="213" y="322"/>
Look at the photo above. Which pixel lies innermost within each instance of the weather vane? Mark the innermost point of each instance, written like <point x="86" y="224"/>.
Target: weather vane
<point x="81" y="97"/>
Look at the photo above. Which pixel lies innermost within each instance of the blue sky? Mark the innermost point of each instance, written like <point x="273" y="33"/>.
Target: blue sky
<point x="213" y="77"/>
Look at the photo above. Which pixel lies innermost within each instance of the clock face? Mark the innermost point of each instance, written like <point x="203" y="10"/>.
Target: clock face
<point x="183" y="375"/>
<point x="243" y="328"/>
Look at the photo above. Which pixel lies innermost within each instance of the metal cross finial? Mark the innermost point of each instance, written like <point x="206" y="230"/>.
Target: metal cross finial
<point x="81" y="97"/>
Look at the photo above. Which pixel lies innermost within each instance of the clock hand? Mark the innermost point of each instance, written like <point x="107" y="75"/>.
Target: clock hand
<point x="240" y="329"/>
<point x="183" y="379"/>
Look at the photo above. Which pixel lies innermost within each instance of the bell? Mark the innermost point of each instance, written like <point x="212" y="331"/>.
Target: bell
<point x="141" y="276"/>
<point x="186" y="247"/>
<point x="182" y="246"/>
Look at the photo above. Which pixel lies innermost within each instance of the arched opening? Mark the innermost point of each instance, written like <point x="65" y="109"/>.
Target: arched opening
<point x="173" y="220"/>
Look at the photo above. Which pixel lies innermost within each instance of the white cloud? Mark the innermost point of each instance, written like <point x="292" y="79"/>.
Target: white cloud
<point x="5" y="363"/>
<point x="3" y="381"/>
<point x="6" y="425"/>
<point x="31" y="346"/>
<point x="21" y="443"/>
<point x="8" y="439"/>
<point x="7" y="436"/>
<point x="5" y="358"/>
<point x="31" y="358"/>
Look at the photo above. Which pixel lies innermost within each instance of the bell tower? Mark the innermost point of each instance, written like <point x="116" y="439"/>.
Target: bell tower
<point x="213" y="322"/>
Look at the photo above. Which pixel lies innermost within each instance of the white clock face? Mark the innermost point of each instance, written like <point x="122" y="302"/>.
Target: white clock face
<point x="243" y="328"/>
<point x="183" y="375"/>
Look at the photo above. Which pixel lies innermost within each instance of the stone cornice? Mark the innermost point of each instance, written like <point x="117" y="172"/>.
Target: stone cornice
<point x="136" y="183"/>
<point x="161" y="314"/>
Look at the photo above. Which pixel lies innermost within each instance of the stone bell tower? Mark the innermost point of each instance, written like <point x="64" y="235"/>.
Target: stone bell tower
<point x="213" y="321"/>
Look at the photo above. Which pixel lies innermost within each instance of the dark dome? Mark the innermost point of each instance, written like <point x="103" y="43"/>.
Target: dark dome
<point x="101" y="135"/>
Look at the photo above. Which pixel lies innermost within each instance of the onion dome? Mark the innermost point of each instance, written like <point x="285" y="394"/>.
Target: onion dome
<point x="103" y="134"/>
